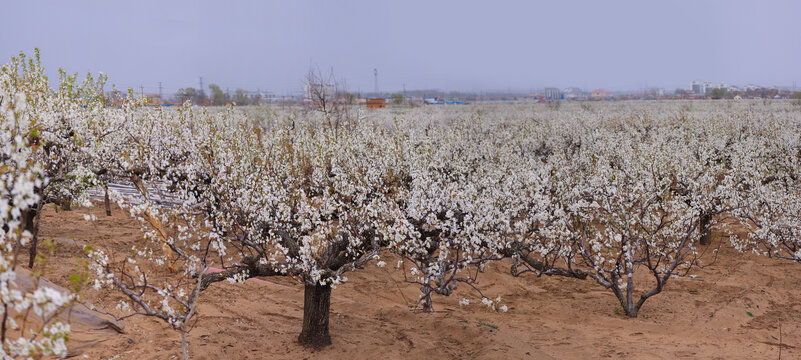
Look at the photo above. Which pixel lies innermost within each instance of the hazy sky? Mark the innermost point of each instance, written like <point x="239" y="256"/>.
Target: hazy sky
<point x="456" y="45"/>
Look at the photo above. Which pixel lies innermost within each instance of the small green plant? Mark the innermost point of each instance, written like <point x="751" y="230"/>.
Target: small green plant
<point x="488" y="325"/>
<point x="749" y="313"/>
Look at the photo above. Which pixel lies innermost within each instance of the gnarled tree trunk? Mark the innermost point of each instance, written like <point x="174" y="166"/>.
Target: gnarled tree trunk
<point x="316" y="306"/>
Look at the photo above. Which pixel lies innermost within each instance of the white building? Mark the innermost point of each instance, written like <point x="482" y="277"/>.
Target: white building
<point x="552" y="94"/>
<point x="751" y="87"/>
<point x="701" y="87"/>
<point x="313" y="92"/>
<point x="697" y="87"/>
<point x="573" y="93"/>
<point x="260" y="97"/>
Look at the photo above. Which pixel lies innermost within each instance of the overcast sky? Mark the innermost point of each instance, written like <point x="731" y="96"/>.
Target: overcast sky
<point x="454" y="45"/>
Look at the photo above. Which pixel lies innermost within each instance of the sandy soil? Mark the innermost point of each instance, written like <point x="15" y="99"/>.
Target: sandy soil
<point x="706" y="317"/>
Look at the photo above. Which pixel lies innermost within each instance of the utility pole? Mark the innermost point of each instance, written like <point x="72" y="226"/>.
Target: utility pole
<point x="141" y="90"/>
<point x="160" y="98"/>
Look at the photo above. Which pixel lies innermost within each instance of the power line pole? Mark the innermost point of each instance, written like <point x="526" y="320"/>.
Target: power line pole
<point x="160" y="98"/>
<point x="141" y="90"/>
<point x="202" y="93"/>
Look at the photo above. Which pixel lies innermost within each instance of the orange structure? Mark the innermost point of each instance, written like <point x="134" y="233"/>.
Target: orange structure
<point x="376" y="103"/>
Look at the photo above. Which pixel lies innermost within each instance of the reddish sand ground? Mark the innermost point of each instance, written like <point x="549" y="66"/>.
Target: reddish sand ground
<point x="549" y="318"/>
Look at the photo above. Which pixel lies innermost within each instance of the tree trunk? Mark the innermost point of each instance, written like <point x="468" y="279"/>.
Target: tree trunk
<point x="107" y="202"/>
<point x="706" y="231"/>
<point x="33" y="226"/>
<point x="632" y="311"/>
<point x="626" y="301"/>
<point x="316" y="305"/>
<point x="425" y="299"/>
<point x="184" y="344"/>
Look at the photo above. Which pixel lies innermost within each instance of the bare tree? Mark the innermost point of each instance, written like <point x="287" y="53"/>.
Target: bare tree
<point x="326" y="95"/>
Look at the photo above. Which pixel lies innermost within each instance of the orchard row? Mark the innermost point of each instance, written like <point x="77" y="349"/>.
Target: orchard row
<point x="595" y="191"/>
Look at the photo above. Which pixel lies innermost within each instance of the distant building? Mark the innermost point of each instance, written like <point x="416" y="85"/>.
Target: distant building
<point x="700" y="88"/>
<point x="314" y="92"/>
<point x="726" y="87"/>
<point x="376" y="103"/>
<point x="696" y="87"/>
<point x="259" y="97"/>
<point x="433" y="101"/>
<point x="656" y="92"/>
<point x="703" y="88"/>
<point x="708" y="87"/>
<point x="269" y="97"/>
<point x="600" y="94"/>
<point x="573" y="93"/>
<point x="552" y="94"/>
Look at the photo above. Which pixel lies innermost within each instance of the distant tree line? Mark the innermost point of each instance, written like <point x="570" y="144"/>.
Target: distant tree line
<point x="216" y="96"/>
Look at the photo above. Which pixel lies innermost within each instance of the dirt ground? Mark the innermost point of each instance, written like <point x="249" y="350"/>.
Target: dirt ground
<point x="741" y="307"/>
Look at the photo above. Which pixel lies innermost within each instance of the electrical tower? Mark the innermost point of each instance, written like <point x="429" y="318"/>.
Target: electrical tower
<point x="375" y="76"/>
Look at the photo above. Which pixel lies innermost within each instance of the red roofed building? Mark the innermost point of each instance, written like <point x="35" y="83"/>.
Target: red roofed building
<point x="600" y="94"/>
